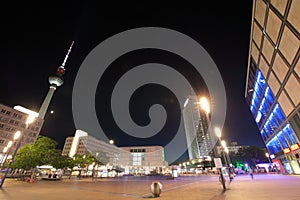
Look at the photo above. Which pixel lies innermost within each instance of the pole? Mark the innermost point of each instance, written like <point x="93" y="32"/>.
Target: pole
<point x="13" y="157"/>
<point x="222" y="179"/>
<point x="269" y="160"/>
<point x="4" y="160"/>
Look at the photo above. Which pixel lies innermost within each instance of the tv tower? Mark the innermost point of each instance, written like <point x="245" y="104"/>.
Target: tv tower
<point x="55" y="81"/>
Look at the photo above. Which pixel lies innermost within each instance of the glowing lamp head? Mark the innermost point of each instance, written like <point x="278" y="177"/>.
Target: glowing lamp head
<point x="218" y="132"/>
<point x="223" y="143"/>
<point x="30" y="119"/>
<point x="111" y="142"/>
<point x="5" y="149"/>
<point x="9" y="144"/>
<point x="204" y="104"/>
<point x="17" y="135"/>
<point x="267" y="155"/>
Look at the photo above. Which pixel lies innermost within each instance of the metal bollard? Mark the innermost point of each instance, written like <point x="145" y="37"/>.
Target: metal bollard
<point x="156" y="188"/>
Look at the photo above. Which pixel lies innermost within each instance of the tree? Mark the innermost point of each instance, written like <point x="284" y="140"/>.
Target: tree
<point x="41" y="152"/>
<point x="62" y="162"/>
<point x="251" y="155"/>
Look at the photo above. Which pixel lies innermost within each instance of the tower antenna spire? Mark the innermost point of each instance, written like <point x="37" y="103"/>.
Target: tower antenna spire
<point x="65" y="60"/>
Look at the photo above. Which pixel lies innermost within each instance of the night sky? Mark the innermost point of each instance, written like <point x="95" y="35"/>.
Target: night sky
<point x="35" y="39"/>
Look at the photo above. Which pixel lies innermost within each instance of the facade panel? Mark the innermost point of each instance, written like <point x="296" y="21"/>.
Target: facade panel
<point x="273" y="96"/>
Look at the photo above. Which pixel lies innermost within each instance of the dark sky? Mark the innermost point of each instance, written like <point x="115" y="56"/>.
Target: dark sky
<point x="35" y="38"/>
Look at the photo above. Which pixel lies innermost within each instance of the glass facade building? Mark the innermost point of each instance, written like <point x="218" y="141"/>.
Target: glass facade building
<point x="200" y="141"/>
<point x="273" y="83"/>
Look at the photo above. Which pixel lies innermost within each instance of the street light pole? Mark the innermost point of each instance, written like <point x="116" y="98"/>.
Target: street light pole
<point x="3" y="156"/>
<point x="29" y="120"/>
<point x="204" y="105"/>
<point x="218" y="133"/>
<point x="268" y="156"/>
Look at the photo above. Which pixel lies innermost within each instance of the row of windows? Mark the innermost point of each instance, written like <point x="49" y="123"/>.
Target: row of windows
<point x="137" y="150"/>
<point x="267" y="119"/>
<point x="283" y="139"/>
<point x="5" y="112"/>
<point x="15" y="115"/>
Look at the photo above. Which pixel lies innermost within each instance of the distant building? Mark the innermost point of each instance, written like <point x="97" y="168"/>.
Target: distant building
<point x="273" y="79"/>
<point x="143" y="159"/>
<point x="232" y="148"/>
<point x="196" y="129"/>
<point x="135" y="160"/>
<point x="82" y="144"/>
<point x="13" y="120"/>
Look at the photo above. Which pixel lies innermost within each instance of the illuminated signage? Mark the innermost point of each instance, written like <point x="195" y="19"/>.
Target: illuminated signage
<point x="295" y="147"/>
<point x="286" y="150"/>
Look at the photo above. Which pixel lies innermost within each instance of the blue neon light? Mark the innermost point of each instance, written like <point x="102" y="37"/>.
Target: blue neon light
<point x="282" y="140"/>
<point x="278" y="113"/>
<point x="289" y="134"/>
<point x="269" y="96"/>
<point x="273" y="146"/>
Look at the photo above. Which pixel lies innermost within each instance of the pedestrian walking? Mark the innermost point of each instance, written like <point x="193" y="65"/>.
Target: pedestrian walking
<point x="251" y="172"/>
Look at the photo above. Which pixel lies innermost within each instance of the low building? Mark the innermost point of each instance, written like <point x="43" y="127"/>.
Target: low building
<point x="232" y="148"/>
<point x="143" y="160"/>
<point x="134" y="160"/>
<point x="82" y="144"/>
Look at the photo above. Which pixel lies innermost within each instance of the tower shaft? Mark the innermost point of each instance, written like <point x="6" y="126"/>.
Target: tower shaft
<point x="46" y="102"/>
<point x="55" y="81"/>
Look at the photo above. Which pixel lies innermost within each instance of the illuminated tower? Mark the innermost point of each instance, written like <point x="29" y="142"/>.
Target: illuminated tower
<point x="55" y="81"/>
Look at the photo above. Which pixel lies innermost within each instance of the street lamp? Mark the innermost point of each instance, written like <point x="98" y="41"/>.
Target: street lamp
<point x="29" y="120"/>
<point x="9" y="144"/>
<point x="3" y="155"/>
<point x="204" y="105"/>
<point x="268" y="156"/>
<point x="218" y="133"/>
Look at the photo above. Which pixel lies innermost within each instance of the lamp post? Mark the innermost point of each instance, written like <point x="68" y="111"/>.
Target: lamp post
<point x="223" y="147"/>
<point x="204" y="105"/>
<point x="218" y="133"/>
<point x="268" y="156"/>
<point x="6" y="149"/>
<point x="29" y="120"/>
<point x="3" y="155"/>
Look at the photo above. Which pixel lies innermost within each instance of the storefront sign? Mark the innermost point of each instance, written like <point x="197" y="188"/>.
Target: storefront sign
<point x="286" y="150"/>
<point x="295" y="147"/>
<point x="218" y="162"/>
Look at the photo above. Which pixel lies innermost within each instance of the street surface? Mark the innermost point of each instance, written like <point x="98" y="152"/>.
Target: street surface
<point x="266" y="186"/>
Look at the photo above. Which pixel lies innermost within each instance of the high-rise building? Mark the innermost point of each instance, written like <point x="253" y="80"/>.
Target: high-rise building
<point x="196" y="126"/>
<point x="273" y="79"/>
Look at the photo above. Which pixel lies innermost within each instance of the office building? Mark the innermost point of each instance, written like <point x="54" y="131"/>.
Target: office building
<point x="13" y="120"/>
<point x="273" y="79"/>
<point x="82" y="144"/>
<point x="134" y="160"/>
<point x="196" y="125"/>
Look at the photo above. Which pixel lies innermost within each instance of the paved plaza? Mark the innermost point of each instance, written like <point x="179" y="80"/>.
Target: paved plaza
<point x="267" y="186"/>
